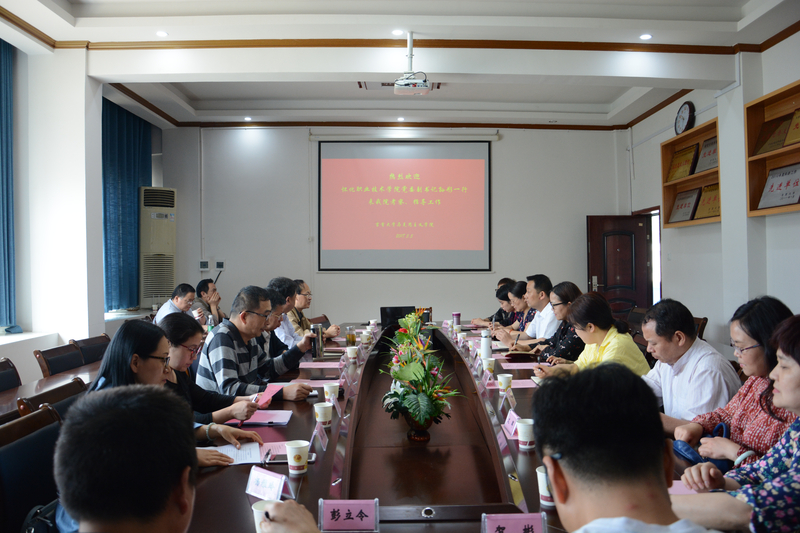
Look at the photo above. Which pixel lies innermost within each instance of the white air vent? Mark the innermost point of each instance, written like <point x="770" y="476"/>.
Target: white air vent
<point x="156" y="244"/>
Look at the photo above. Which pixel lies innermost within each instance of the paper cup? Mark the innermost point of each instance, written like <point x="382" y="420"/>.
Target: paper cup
<point x="331" y="392"/>
<point x="366" y="338"/>
<point x="504" y="382"/>
<point x="373" y="322"/>
<point x="525" y="432"/>
<point x="297" y="452"/>
<point x="196" y="313"/>
<point x="545" y="495"/>
<point x="259" y="508"/>
<point x="457" y="328"/>
<point x="323" y="412"/>
<point x="371" y="328"/>
<point x="352" y="353"/>
<point x="488" y="363"/>
<point x="471" y="345"/>
<point x="462" y="337"/>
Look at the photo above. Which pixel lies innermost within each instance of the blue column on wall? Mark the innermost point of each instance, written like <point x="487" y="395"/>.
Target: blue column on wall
<point x="127" y="165"/>
<point x="8" y="314"/>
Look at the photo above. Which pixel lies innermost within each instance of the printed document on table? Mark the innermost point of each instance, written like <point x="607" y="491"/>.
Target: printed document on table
<point x="248" y="454"/>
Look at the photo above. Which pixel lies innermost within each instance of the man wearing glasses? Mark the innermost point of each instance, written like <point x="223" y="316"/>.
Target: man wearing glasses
<point x="299" y="322"/>
<point x="235" y="358"/>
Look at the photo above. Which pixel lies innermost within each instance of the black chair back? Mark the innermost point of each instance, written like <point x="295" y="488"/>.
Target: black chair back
<point x="9" y="377"/>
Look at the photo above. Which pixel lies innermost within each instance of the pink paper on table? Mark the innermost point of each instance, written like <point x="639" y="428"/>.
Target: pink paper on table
<point x="679" y="488"/>
<point x="521" y="366"/>
<point x="335" y="349"/>
<point x="268" y="393"/>
<point x="338" y="339"/>
<point x="515" y="384"/>
<point x="333" y="364"/>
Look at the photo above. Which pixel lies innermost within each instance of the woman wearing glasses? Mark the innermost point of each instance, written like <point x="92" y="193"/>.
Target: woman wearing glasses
<point x="755" y="424"/>
<point x="185" y="337"/>
<point x="139" y="353"/>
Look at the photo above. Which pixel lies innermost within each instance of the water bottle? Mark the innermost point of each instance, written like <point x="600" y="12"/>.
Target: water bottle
<point x="486" y="343"/>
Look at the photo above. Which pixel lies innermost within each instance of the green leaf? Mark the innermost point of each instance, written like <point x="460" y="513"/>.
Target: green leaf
<point x="411" y="372"/>
<point x="420" y="406"/>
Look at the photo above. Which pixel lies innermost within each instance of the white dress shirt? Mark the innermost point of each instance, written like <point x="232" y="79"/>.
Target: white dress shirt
<point x="544" y="324"/>
<point x="286" y="332"/>
<point x="699" y="382"/>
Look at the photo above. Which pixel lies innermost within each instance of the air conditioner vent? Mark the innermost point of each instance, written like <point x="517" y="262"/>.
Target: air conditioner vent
<point x="158" y="197"/>
<point x="158" y="276"/>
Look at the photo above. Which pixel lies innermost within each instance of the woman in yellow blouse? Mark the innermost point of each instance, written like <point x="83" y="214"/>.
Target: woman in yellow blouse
<point x="607" y="340"/>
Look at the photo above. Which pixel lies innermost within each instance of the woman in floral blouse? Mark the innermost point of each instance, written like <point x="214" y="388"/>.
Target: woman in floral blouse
<point x="755" y="425"/>
<point x="764" y="495"/>
<point x="524" y="314"/>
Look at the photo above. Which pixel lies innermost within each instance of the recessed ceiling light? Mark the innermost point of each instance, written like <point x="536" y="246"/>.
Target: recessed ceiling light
<point x="247" y="119"/>
<point x="645" y="37"/>
<point x="400" y="119"/>
<point x="397" y="32"/>
<point x="162" y="33"/>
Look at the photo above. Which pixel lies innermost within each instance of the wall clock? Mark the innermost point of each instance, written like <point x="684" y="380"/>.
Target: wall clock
<point x="684" y="120"/>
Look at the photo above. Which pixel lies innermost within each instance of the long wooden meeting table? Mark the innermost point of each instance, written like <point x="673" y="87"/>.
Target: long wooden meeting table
<point x="468" y="468"/>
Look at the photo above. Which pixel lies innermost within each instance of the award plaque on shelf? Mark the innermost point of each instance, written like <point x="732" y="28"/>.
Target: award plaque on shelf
<point x="709" y="158"/>
<point x="793" y="136"/>
<point x="685" y="205"/>
<point x="683" y="163"/>
<point x="772" y="134"/>
<point x="782" y="187"/>
<point x="709" y="202"/>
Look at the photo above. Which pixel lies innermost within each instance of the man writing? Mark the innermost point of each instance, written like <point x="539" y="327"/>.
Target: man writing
<point x="544" y="323"/>
<point x="235" y="360"/>
<point x="207" y="300"/>
<point x="690" y="377"/>
<point x="601" y="482"/>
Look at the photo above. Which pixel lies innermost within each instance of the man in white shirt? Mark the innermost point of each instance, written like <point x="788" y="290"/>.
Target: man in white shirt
<point x="181" y="302"/>
<point x="602" y="481"/>
<point x="544" y="323"/>
<point x="690" y="377"/>
<point x="288" y="289"/>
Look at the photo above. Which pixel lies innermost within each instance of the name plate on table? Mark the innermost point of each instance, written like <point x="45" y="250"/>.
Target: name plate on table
<point x="475" y="364"/>
<point x="348" y="515"/>
<point x="320" y="433"/>
<point x="509" y="397"/>
<point x="510" y="425"/>
<point x="512" y="523"/>
<point x="487" y="377"/>
<point x="266" y="485"/>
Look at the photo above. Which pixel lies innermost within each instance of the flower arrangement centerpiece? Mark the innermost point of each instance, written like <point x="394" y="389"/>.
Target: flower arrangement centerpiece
<point x="419" y="391"/>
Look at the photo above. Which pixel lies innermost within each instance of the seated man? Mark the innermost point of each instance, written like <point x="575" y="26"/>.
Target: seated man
<point x="234" y="359"/>
<point x="601" y="481"/>
<point x="502" y="316"/>
<point x="98" y="482"/>
<point x="690" y="377"/>
<point x="288" y="289"/>
<point x="208" y="301"/>
<point x="181" y="302"/>
<point x="544" y="323"/>
<point x="298" y="321"/>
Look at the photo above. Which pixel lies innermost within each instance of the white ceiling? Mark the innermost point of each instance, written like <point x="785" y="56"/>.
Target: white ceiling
<point x="478" y="85"/>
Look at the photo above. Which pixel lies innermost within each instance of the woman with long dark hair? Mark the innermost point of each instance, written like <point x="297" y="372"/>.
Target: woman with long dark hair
<point x="606" y="339"/>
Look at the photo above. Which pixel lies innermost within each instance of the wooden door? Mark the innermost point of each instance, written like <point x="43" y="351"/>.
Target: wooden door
<point x="619" y="251"/>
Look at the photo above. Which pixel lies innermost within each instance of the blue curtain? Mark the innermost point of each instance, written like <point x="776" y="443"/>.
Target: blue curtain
<point x="127" y="165"/>
<point x="8" y="312"/>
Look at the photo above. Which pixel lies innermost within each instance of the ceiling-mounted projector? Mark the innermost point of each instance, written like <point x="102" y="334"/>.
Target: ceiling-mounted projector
<point x="408" y="84"/>
<point x="411" y="86"/>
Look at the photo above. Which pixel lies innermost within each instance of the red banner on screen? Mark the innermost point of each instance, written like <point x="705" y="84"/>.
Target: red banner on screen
<point x="402" y="204"/>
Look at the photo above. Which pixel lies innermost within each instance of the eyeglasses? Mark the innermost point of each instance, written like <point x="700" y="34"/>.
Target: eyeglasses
<point x="165" y="359"/>
<point x="557" y="304"/>
<point x="194" y="350"/>
<point x="306" y="294"/>
<point x="741" y="351"/>
<point x="265" y="317"/>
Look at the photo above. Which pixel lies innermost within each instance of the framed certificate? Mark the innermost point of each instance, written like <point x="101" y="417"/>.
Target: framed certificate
<point x="709" y="202"/>
<point x="782" y="187"/>
<point x="709" y="158"/>
<point x="685" y="205"/>
<point x="793" y="136"/>
<point x="772" y="134"/>
<point x="683" y="163"/>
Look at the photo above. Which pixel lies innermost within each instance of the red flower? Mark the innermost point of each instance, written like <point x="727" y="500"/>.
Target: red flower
<point x="402" y="330"/>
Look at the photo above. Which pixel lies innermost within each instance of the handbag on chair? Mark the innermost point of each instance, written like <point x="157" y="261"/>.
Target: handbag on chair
<point x="684" y="451"/>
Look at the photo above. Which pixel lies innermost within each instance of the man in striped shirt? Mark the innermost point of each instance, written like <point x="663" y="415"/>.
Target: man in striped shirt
<point x="235" y="359"/>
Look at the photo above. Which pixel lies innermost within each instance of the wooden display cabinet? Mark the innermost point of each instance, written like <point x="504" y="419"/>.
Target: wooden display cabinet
<point x="773" y="105"/>
<point x="669" y="191"/>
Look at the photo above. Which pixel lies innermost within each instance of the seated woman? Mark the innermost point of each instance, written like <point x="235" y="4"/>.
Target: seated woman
<point x="503" y="315"/>
<point x="565" y="345"/>
<point x="755" y="426"/>
<point x="606" y="339"/>
<point x="765" y="495"/>
<point x="139" y="353"/>
<point x="301" y="325"/>
<point x="185" y="337"/>
<point x="523" y="313"/>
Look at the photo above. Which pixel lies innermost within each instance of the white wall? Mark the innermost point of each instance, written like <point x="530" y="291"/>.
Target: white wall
<point x="714" y="268"/>
<point x="259" y="189"/>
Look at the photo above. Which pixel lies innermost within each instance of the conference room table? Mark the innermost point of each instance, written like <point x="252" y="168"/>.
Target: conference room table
<point x="8" y="398"/>
<point x="468" y="468"/>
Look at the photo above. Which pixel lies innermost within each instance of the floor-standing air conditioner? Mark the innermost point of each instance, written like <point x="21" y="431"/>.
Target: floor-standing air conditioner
<point x="156" y="244"/>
